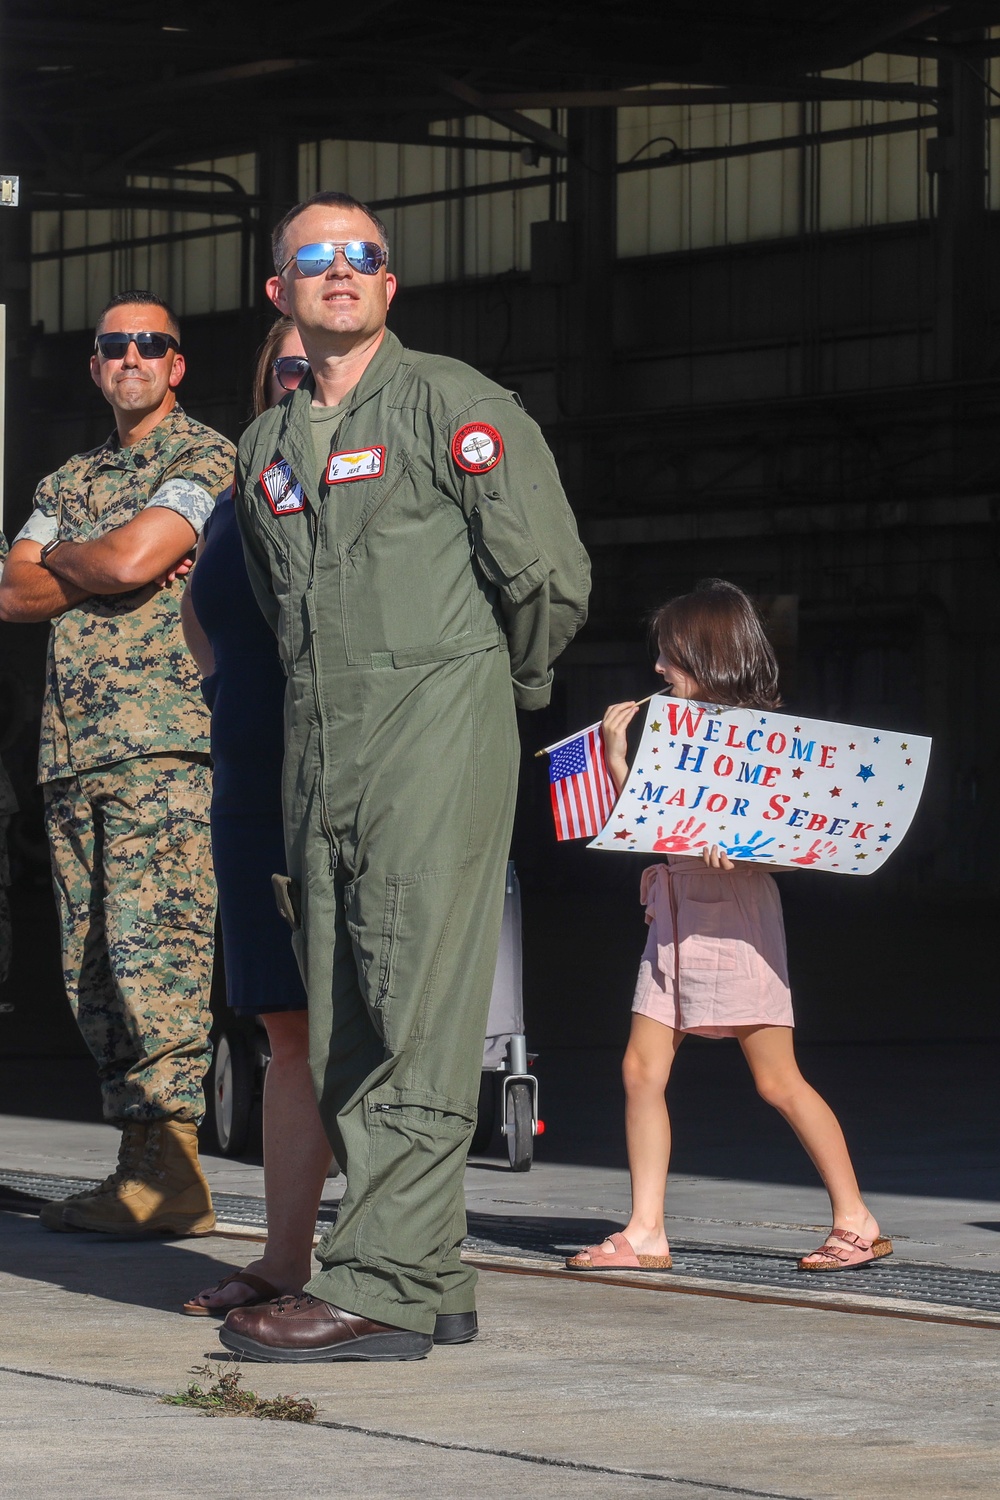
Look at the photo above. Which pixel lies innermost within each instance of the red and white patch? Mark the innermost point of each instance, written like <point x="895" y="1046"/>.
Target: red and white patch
<point x="477" y="447"/>
<point x="364" y="463"/>
<point x="283" y="491"/>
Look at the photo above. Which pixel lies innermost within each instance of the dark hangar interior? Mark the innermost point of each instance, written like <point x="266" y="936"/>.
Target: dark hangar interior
<point x="738" y="259"/>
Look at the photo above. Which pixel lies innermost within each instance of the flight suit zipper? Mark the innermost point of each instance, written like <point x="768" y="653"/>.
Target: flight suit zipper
<point x="324" y="814"/>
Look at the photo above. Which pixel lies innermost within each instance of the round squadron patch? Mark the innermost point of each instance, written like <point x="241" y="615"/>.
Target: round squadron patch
<point x="477" y="447"/>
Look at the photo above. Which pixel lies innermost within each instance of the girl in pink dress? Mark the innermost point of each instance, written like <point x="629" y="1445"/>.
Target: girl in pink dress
<point x="714" y="962"/>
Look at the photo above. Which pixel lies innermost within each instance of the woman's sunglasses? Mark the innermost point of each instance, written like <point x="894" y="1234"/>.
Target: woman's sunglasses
<point x="148" y="345"/>
<point x="365" y="256"/>
<point x="290" y="370"/>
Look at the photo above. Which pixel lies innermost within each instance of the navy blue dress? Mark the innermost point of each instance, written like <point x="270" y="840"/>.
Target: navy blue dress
<point x="245" y="694"/>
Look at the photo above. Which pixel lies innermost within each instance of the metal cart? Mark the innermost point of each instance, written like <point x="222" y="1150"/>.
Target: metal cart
<point x="508" y="1093"/>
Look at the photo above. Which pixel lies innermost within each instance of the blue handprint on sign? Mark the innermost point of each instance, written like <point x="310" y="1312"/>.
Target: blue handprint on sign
<point x="749" y="849"/>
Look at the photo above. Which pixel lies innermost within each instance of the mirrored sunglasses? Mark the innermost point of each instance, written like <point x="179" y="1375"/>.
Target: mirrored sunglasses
<point x="290" y="370"/>
<point x="366" y="256"/>
<point x="148" y="345"/>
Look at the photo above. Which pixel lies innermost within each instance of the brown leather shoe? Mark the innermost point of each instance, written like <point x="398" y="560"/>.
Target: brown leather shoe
<point x="302" y="1329"/>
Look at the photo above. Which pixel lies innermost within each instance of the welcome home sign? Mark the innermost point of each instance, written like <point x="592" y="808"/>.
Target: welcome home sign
<point x="771" y="787"/>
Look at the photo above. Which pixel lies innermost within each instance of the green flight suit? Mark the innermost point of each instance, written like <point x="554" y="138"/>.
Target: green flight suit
<point x="417" y="597"/>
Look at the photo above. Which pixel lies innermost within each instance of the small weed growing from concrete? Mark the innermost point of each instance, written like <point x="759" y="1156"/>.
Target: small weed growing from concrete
<point x="223" y="1398"/>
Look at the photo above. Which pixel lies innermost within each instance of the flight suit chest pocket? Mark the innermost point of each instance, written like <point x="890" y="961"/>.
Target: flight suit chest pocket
<point x="505" y="550"/>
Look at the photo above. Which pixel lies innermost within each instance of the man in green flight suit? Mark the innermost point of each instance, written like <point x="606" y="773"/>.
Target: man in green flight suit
<point x="408" y="537"/>
<point x="123" y="761"/>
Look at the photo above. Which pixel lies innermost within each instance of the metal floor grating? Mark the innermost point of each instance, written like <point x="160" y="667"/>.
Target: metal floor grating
<point x="547" y="1239"/>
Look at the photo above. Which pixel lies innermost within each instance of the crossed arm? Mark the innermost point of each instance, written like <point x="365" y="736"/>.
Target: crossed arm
<point x="147" y="549"/>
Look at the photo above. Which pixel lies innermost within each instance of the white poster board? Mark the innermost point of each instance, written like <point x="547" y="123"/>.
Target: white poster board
<point x="772" y="787"/>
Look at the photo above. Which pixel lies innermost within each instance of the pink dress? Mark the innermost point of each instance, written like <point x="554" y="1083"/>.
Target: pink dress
<point x="715" y="954"/>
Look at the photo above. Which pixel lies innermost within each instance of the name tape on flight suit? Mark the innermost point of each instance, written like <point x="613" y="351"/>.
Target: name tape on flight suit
<point x="477" y="447"/>
<point x="283" y="491"/>
<point x="369" y="463"/>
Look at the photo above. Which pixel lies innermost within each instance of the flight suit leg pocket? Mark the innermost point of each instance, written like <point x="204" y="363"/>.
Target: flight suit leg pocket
<point x="375" y="937"/>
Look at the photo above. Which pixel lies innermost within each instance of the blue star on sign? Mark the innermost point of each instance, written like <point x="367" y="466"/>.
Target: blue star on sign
<point x="640" y="820"/>
<point x="884" y="838"/>
<point x="866" y="773"/>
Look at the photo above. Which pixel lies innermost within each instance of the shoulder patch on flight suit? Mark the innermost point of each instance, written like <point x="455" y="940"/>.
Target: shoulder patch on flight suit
<point x="283" y="491"/>
<point x="368" y="463"/>
<point x="477" y="447"/>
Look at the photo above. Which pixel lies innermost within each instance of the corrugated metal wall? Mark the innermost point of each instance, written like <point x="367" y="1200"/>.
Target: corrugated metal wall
<point x="772" y="195"/>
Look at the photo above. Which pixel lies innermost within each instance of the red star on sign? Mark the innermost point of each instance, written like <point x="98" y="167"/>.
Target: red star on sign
<point x="797" y="772"/>
<point x="623" y="833"/>
<point x="835" y="791"/>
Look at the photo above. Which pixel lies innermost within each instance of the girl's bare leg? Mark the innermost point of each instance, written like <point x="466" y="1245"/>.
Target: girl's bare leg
<point x="646" y="1066"/>
<point x="297" y="1157"/>
<point x="770" y="1052"/>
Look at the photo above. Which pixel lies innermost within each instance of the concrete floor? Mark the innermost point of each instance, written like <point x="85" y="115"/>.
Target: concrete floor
<point x="574" y="1389"/>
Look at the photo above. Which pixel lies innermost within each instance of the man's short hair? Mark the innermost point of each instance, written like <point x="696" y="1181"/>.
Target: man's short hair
<point x="142" y="299"/>
<point x="332" y="200"/>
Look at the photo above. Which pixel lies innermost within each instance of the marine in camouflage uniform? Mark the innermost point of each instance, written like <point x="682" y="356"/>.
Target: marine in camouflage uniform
<point x="8" y="806"/>
<point x="124" y="766"/>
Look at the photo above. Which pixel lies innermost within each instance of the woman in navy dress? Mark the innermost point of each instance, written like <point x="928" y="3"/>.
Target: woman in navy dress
<point x="244" y="687"/>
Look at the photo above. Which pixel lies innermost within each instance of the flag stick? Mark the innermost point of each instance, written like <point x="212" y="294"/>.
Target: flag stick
<point x="573" y="736"/>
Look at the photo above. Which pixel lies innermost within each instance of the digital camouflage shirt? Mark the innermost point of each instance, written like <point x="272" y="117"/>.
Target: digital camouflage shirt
<point x="120" y="681"/>
<point x="8" y="802"/>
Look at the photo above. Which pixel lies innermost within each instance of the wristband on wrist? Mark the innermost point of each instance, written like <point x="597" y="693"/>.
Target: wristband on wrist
<point x="49" y="547"/>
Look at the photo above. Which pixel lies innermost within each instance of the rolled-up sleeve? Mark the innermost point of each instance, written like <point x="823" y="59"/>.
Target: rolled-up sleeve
<point x="43" y="524"/>
<point x="188" y="499"/>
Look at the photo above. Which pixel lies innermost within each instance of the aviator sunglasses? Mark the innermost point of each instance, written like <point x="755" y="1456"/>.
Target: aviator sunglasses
<point x="148" y="345"/>
<point x="365" y="256"/>
<point x="290" y="370"/>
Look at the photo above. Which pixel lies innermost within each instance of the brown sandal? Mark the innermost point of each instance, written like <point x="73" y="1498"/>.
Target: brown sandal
<point x="843" y="1250"/>
<point x="263" y="1292"/>
<point x="622" y="1258"/>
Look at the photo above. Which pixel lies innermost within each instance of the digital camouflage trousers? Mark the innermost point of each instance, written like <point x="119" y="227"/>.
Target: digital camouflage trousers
<point x="132" y="870"/>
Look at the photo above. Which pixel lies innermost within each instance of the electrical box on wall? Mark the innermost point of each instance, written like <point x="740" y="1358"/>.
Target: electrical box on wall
<point x="553" y="252"/>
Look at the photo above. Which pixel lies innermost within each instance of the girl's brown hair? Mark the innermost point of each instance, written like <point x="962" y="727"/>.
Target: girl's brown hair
<point x="716" y="636"/>
<point x="266" y="355"/>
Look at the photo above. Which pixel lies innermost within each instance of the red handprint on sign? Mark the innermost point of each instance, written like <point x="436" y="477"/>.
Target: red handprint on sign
<point x="818" y="849"/>
<point x="684" y="836"/>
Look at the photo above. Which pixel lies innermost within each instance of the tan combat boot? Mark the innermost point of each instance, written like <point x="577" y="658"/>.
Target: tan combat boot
<point x="165" y="1194"/>
<point x="130" y="1151"/>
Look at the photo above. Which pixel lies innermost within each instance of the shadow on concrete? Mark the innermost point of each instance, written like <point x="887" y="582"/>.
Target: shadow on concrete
<point x="142" y="1273"/>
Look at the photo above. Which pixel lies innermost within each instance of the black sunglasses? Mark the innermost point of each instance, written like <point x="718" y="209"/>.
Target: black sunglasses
<point x="148" y="345"/>
<point x="290" y="370"/>
<point x="361" y="255"/>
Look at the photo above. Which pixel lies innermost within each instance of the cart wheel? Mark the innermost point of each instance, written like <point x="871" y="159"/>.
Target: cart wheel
<point x="232" y="1092"/>
<point x="485" y="1120"/>
<point x="520" y="1141"/>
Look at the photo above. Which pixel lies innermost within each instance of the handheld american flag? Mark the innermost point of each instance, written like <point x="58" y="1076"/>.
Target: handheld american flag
<point x="583" y="793"/>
